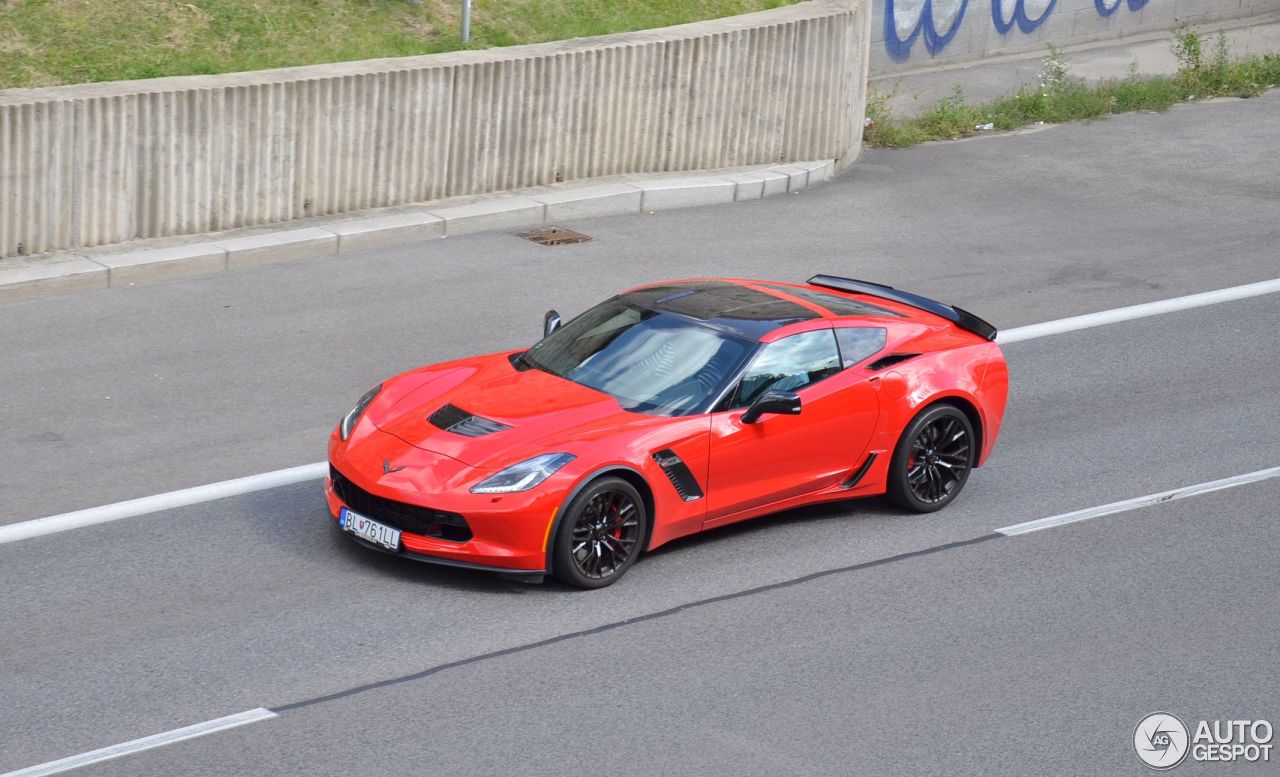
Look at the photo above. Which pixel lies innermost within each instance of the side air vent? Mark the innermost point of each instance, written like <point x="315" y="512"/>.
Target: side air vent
<point x="678" y="473"/>
<point x="454" y="419"/>
<point x="890" y="360"/>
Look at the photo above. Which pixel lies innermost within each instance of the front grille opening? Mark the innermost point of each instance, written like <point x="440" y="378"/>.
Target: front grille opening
<point x="555" y="236"/>
<point x="413" y="519"/>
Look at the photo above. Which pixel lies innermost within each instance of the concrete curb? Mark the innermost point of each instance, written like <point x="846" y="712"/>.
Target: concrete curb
<point x="143" y="261"/>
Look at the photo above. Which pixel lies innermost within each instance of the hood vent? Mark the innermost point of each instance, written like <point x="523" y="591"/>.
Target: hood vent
<point x="454" y="419"/>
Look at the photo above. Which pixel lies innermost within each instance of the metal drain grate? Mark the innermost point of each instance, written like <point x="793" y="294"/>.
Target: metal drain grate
<point x="555" y="236"/>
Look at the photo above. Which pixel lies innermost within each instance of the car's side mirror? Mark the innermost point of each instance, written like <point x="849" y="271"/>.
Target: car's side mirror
<point x="781" y="402"/>
<point x="550" y="322"/>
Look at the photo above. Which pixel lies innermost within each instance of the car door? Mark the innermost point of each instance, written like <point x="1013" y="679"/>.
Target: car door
<point x="781" y="456"/>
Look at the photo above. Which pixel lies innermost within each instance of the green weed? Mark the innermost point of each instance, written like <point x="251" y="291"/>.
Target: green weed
<point x="1203" y="71"/>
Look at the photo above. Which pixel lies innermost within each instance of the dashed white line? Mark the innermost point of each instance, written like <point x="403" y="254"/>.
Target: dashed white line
<point x="262" y="713"/>
<point x="145" y="743"/>
<point x="1138" y="502"/>
<point x="284" y="477"/>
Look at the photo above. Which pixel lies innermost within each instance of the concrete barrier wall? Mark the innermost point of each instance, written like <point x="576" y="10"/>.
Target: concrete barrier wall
<point x="103" y="163"/>
<point x="910" y="34"/>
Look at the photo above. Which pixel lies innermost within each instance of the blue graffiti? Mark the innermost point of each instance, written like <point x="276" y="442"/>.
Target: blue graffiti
<point x="925" y="26"/>
<point x="1103" y="10"/>
<point x="1025" y="23"/>
<point x="900" y="48"/>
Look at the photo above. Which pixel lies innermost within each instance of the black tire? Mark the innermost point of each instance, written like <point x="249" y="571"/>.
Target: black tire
<point x="600" y="534"/>
<point x="932" y="460"/>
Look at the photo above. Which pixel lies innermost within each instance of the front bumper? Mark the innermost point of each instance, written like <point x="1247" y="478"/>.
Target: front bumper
<point x="523" y="575"/>
<point x="492" y="548"/>
<point x="503" y="533"/>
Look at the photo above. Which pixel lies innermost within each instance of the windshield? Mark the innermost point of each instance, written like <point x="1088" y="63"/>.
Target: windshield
<point x="650" y="362"/>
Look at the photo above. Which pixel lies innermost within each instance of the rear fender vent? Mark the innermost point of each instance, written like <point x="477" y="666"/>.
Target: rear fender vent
<point x="890" y="360"/>
<point x="454" y="419"/>
<point x="678" y="473"/>
<point x="858" y="474"/>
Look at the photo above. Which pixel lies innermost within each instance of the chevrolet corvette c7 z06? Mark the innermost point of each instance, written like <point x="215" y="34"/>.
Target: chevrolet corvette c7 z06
<point x="665" y="410"/>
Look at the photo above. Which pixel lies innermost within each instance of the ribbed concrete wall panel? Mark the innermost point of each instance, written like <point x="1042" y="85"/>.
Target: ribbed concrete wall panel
<point x="103" y="163"/>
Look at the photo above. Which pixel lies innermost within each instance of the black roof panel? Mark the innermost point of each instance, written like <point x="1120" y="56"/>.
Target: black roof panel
<point x="729" y="306"/>
<point x="834" y="303"/>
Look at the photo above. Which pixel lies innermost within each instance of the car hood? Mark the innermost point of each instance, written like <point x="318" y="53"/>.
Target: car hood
<point x="541" y="413"/>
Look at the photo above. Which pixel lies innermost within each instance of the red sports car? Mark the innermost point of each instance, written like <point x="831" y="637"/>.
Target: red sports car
<point x="666" y="410"/>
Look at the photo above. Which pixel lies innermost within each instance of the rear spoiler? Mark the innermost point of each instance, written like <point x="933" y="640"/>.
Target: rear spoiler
<point x="959" y="316"/>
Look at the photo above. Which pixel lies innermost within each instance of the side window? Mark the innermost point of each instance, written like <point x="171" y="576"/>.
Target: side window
<point x="857" y="343"/>
<point x="789" y="364"/>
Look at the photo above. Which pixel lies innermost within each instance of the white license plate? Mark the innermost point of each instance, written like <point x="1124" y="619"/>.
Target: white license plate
<point x="370" y="530"/>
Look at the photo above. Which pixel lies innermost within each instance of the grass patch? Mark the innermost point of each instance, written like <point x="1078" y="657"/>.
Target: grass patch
<point x="48" y="42"/>
<point x="1203" y="71"/>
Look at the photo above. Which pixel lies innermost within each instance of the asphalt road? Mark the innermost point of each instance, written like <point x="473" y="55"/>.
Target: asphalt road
<point x="1033" y="654"/>
<point x="122" y="393"/>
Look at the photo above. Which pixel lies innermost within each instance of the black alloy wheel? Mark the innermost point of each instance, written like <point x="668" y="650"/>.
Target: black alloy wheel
<point x="600" y="534"/>
<point x="932" y="460"/>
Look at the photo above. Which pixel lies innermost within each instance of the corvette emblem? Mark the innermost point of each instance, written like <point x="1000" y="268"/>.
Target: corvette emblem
<point x="387" y="469"/>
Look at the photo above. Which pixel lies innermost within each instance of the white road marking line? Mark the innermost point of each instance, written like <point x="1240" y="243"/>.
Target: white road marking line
<point x="146" y="743"/>
<point x="1102" y="318"/>
<point x="167" y="501"/>
<point x="1134" y="504"/>
<point x="284" y="477"/>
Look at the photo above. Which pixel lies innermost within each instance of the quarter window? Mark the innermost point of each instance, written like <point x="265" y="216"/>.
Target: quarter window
<point x="789" y="364"/>
<point x="857" y="343"/>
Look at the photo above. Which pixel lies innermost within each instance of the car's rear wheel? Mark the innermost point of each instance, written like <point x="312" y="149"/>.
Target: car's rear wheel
<point x="600" y="534"/>
<point x="932" y="460"/>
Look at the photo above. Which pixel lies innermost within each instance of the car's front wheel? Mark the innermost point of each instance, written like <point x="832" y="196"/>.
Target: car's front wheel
<point x="932" y="460"/>
<point x="600" y="534"/>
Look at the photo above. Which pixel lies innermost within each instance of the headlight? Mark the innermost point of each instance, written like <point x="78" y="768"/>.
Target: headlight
<point x="349" y="420"/>
<point x="523" y="476"/>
